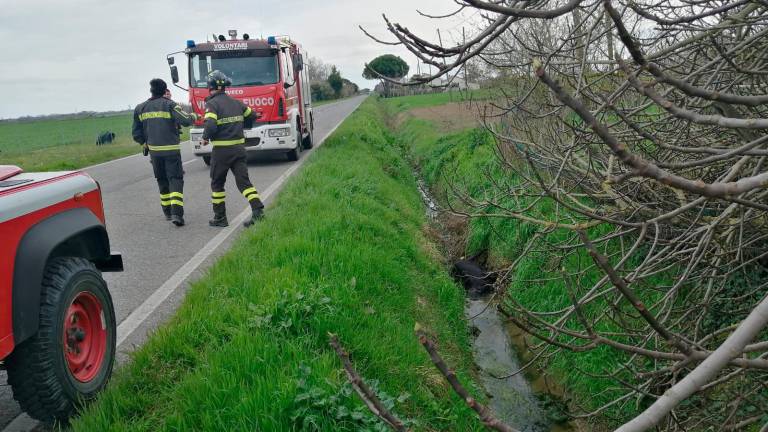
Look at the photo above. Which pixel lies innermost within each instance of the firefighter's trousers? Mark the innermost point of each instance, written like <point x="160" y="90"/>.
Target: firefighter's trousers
<point x="170" y="179"/>
<point x="224" y="159"/>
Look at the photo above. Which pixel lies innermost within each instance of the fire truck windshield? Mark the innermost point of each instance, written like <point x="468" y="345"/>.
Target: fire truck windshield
<point x="244" y="68"/>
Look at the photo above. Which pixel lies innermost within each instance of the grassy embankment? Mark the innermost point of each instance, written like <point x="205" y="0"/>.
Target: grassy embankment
<point x="462" y="159"/>
<point x="342" y="251"/>
<point x="49" y="145"/>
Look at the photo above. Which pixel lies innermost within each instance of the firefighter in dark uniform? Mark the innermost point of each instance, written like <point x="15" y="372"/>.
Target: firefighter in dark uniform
<point x="224" y="121"/>
<point x="156" y="125"/>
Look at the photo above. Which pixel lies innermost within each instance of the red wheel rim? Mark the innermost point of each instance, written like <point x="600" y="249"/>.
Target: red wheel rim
<point x="85" y="337"/>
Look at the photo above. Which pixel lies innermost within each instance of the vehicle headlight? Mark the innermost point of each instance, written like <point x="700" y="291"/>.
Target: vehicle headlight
<point x="279" y="132"/>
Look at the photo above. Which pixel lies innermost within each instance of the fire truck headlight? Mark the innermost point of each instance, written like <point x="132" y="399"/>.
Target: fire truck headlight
<point x="281" y="132"/>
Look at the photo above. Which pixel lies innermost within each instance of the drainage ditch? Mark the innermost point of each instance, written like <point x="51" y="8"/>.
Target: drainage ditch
<point x="525" y="401"/>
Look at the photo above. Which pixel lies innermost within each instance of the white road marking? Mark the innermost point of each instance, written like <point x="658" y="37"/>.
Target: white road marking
<point x="24" y="423"/>
<point x="108" y="162"/>
<point x="124" y="158"/>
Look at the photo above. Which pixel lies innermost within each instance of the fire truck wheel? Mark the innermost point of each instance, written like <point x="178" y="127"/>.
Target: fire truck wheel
<point x="207" y="160"/>
<point x="70" y="358"/>
<point x="293" y="155"/>
<point x="307" y="141"/>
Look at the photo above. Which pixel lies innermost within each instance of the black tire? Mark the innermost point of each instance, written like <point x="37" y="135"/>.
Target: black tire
<point x="293" y="155"/>
<point x="38" y="371"/>
<point x="308" y="141"/>
<point x="207" y="160"/>
<point x="299" y="136"/>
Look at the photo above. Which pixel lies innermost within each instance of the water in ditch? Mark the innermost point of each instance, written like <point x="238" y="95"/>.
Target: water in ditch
<point x="511" y="397"/>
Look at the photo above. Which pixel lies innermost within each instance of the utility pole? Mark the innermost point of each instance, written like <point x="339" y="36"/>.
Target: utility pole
<point x="440" y="39"/>
<point x="464" y="42"/>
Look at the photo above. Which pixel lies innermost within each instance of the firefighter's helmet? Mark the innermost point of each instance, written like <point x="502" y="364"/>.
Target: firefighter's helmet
<point x="217" y="80"/>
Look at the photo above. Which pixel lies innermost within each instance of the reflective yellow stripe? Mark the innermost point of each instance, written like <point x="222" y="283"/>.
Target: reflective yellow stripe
<point x="177" y="202"/>
<point x="253" y="197"/>
<point x="165" y="203"/>
<point x="154" y="114"/>
<point x="218" y="200"/>
<point x="228" y="120"/>
<point x="218" y="194"/>
<point x="249" y="190"/>
<point x="247" y="112"/>
<point x="211" y="115"/>
<point x="165" y="196"/>
<point x="165" y="147"/>
<point x="228" y="142"/>
<point x="176" y="194"/>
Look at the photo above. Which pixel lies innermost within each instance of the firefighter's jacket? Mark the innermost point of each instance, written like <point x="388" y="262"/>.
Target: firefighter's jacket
<point x="224" y="120"/>
<point x="156" y="123"/>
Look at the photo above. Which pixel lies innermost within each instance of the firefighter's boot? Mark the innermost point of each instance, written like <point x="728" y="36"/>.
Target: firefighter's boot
<point x="167" y="212"/>
<point x="219" y="216"/>
<point x="257" y="215"/>
<point x="177" y="220"/>
<point x="257" y="209"/>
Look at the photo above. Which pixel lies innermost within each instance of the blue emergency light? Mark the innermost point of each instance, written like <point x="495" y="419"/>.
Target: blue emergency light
<point x="190" y="43"/>
<point x="272" y="40"/>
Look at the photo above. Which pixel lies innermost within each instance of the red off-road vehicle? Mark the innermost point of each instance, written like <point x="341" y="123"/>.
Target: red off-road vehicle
<point x="57" y="322"/>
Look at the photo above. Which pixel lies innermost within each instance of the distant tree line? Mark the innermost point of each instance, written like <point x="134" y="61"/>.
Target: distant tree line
<point x="392" y="73"/>
<point x="326" y="82"/>
<point x="71" y="116"/>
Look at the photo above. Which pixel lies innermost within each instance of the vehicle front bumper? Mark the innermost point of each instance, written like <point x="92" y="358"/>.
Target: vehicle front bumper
<point x="112" y="264"/>
<point x="256" y="139"/>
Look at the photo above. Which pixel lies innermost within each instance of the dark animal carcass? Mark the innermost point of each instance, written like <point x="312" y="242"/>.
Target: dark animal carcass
<point x="105" y="138"/>
<point x="476" y="280"/>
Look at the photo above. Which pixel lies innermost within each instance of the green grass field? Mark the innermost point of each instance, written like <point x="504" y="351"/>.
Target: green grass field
<point x="342" y="250"/>
<point x="46" y="145"/>
<point x="49" y="145"/>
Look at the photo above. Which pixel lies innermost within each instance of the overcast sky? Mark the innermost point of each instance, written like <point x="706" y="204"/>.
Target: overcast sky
<point x="66" y="56"/>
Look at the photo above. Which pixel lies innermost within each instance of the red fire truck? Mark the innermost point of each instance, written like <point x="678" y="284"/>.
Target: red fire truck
<point x="269" y="75"/>
<point x="57" y="322"/>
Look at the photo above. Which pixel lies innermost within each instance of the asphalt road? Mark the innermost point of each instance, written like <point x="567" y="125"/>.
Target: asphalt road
<point x="160" y="258"/>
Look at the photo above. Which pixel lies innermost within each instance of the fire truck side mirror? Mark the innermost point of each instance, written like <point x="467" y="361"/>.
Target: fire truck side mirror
<point x="298" y="61"/>
<point x="171" y="61"/>
<point x="174" y="74"/>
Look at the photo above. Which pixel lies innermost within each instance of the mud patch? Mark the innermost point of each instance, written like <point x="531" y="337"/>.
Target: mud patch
<point x="452" y="117"/>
